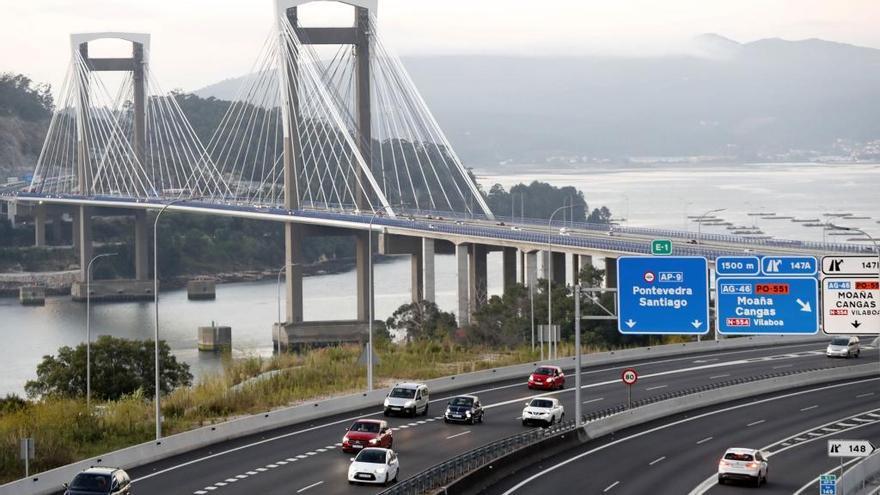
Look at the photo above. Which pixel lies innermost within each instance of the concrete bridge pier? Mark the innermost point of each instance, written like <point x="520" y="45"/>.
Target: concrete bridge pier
<point x="461" y="264"/>
<point x="557" y="267"/>
<point x="40" y="225"/>
<point x="421" y="252"/>
<point x="477" y="277"/>
<point x="509" y="258"/>
<point x="531" y="268"/>
<point x="141" y="249"/>
<point x="610" y="272"/>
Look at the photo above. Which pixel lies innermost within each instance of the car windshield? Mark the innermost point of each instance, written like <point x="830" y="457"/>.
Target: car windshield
<point x="461" y="401"/>
<point x="365" y="427"/>
<point x="542" y="403"/>
<point x="545" y="371"/>
<point x="403" y="393"/>
<point x="92" y="482"/>
<point x="840" y="341"/>
<point x="373" y="456"/>
<point x="733" y="456"/>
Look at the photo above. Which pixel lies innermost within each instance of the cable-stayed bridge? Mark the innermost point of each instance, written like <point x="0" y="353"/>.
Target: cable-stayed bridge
<point x="331" y="138"/>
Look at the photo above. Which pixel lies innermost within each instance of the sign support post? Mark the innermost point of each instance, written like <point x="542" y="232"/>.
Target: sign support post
<point x="629" y="377"/>
<point x="577" y="351"/>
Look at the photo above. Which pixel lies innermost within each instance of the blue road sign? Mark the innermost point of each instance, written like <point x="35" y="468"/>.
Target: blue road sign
<point x="828" y="484"/>
<point x="767" y="305"/>
<point x="774" y="266"/>
<point x="737" y="265"/>
<point x="668" y="295"/>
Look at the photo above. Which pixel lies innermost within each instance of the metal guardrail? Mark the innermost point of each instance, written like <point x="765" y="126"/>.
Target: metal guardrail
<point x="441" y="475"/>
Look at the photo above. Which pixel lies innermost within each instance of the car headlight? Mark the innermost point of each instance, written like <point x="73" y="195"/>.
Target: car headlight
<point x="409" y="403"/>
<point x="467" y="413"/>
<point x="380" y="469"/>
<point x="550" y="379"/>
<point x="345" y="439"/>
<point x="531" y="377"/>
<point x="385" y="403"/>
<point x="374" y="441"/>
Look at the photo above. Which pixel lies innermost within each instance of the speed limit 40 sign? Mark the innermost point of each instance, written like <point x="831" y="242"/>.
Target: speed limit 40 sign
<point x="629" y="376"/>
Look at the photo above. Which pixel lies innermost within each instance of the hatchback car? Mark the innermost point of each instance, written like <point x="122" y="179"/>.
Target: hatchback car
<point x="408" y="399"/>
<point x="464" y="408"/>
<point x="374" y="465"/>
<point x="99" y="480"/>
<point x="843" y="346"/>
<point x="542" y="410"/>
<point x="743" y="465"/>
<point x="547" y="378"/>
<point x="367" y="433"/>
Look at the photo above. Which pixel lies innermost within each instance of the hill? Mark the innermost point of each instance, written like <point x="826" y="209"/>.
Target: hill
<point x="745" y="100"/>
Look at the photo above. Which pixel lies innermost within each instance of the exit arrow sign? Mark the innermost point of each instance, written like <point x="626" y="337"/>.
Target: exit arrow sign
<point x="661" y="247"/>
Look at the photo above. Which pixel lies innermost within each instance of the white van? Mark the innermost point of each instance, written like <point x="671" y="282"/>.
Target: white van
<point x="409" y="399"/>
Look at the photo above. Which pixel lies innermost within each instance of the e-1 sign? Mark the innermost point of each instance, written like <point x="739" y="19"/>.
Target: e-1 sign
<point x="849" y="448"/>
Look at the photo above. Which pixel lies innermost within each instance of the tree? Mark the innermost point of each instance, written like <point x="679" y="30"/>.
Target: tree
<point x="422" y="320"/>
<point x="540" y="199"/>
<point x="20" y="97"/>
<point x="503" y="321"/>
<point x="119" y="367"/>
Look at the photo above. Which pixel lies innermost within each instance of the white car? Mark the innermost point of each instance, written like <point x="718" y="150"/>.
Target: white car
<point x="374" y="465"/>
<point x="408" y="399"/>
<point x="542" y="410"/>
<point x="843" y="346"/>
<point x="743" y="465"/>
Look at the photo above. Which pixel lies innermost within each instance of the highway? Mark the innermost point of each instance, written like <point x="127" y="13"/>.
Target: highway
<point x="680" y="454"/>
<point x="305" y="458"/>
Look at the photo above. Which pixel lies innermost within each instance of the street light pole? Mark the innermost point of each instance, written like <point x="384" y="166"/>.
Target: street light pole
<point x="370" y="303"/>
<point x="876" y="248"/>
<point x="577" y="352"/>
<point x="158" y="393"/>
<point x="550" y="347"/>
<point x="700" y="222"/>
<point x="89" y="328"/>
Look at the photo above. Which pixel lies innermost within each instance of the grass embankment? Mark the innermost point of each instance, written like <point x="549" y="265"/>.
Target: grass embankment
<point x="64" y="432"/>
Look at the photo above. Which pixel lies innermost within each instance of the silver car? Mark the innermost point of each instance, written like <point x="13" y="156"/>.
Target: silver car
<point x="843" y="346"/>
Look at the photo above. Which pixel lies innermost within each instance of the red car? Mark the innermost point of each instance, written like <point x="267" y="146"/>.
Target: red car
<point x="547" y="378"/>
<point x="365" y="433"/>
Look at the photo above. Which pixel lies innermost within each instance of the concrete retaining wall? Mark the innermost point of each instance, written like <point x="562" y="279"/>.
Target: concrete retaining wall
<point x="50" y="481"/>
<point x="861" y="478"/>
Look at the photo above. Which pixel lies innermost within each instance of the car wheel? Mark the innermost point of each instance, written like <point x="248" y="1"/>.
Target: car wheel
<point x="552" y="420"/>
<point x="386" y="480"/>
<point x="857" y="353"/>
<point x="525" y="424"/>
<point x="394" y="480"/>
<point x="390" y="443"/>
<point x="446" y="420"/>
<point x="471" y="420"/>
<point x="720" y="480"/>
<point x="561" y="386"/>
<point x="386" y="413"/>
<point x="481" y="418"/>
<point x="758" y="481"/>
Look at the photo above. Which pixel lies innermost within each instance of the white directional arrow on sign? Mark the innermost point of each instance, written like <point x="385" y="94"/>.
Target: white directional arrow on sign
<point x="696" y="323"/>
<point x="630" y="323"/>
<point x="805" y="306"/>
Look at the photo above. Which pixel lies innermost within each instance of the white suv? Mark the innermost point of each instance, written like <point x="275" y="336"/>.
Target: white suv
<point x="408" y="399"/>
<point x="843" y="346"/>
<point x="743" y="465"/>
<point x="542" y="410"/>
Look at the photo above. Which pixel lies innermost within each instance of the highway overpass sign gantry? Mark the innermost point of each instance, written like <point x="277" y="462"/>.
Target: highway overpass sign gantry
<point x="770" y="295"/>
<point x="668" y="295"/>
<point x="850" y="295"/>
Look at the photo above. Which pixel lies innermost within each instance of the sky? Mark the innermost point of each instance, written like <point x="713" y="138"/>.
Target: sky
<point x="199" y="42"/>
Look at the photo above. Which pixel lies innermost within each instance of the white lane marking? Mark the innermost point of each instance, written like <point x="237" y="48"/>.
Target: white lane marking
<point x="701" y="361"/>
<point x="675" y="423"/>
<point x="220" y="483"/>
<point x="252" y="473"/>
<point x="310" y="486"/>
<point x="291" y="459"/>
<point x="609" y="487"/>
<point x="657" y="387"/>
<point x="712" y="480"/>
<point x="311" y="453"/>
<point x="458" y="434"/>
<point x="301" y="456"/>
<point x="814" y="480"/>
<point x="704" y="440"/>
<point x="753" y="423"/>
<point x="271" y="466"/>
<point x="200" y="492"/>
<point x="864" y="395"/>
<point x="325" y="450"/>
<point x="281" y="463"/>
<point x="809" y="407"/>
<point x="241" y="476"/>
<point x="477" y="392"/>
<point x="210" y="488"/>
<point x="597" y="399"/>
<point x="231" y="480"/>
<point x="719" y="376"/>
<point x="261" y="470"/>
<point x="655" y="461"/>
<point x="779" y="367"/>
